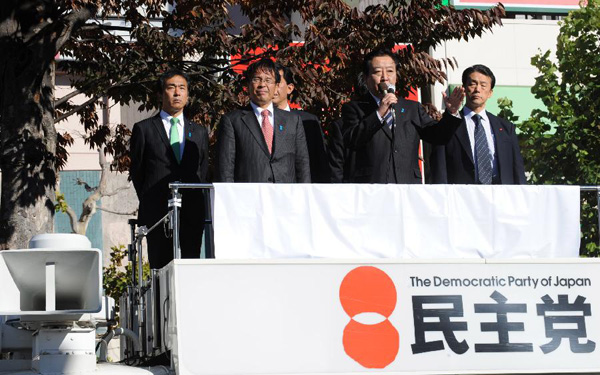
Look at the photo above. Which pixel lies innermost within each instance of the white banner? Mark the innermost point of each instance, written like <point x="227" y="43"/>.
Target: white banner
<point x="320" y="317"/>
<point x="346" y="221"/>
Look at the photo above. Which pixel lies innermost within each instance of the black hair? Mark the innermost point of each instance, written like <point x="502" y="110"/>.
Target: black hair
<point x="378" y="53"/>
<point x="287" y="73"/>
<point x="170" y="74"/>
<point x="265" y="65"/>
<point x="479" y="69"/>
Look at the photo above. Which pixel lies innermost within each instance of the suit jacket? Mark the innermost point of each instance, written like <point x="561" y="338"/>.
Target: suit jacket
<point x="153" y="167"/>
<point x="376" y="158"/>
<point x="453" y="163"/>
<point x="320" y="171"/>
<point x="338" y="154"/>
<point x="243" y="156"/>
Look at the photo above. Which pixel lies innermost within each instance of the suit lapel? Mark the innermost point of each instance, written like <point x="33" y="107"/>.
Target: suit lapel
<point x="277" y="120"/>
<point x="463" y="137"/>
<point x="188" y="135"/>
<point x="496" y="128"/>
<point x="371" y="106"/>
<point x="160" y="129"/>
<point x="280" y="126"/>
<point x="499" y="134"/>
<point x="249" y="119"/>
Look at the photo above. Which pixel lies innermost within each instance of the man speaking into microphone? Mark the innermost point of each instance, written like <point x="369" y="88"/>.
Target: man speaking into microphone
<point x="383" y="131"/>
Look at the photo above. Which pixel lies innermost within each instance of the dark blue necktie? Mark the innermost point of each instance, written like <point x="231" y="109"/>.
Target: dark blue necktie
<point x="482" y="153"/>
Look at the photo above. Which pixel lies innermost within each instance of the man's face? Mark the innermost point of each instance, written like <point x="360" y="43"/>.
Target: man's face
<point x="282" y="92"/>
<point x="261" y="88"/>
<point x="382" y="69"/>
<point x="175" y="95"/>
<point x="478" y="89"/>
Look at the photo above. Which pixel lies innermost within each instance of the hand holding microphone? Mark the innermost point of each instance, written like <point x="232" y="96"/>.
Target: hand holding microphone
<point x="388" y="101"/>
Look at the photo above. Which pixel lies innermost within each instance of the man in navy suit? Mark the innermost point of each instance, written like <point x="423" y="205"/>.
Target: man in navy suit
<point x="262" y="143"/>
<point x="167" y="148"/>
<point x="485" y="148"/>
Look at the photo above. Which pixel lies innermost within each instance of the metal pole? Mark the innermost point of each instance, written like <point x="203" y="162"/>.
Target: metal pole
<point x="175" y="204"/>
<point x="140" y="265"/>
<point x="132" y="249"/>
<point x="209" y="246"/>
<point x="140" y="296"/>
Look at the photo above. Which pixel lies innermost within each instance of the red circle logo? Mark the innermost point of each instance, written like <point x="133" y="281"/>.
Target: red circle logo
<point x="369" y="290"/>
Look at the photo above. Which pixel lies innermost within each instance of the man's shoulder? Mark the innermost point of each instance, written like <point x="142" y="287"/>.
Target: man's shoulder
<point x="292" y="116"/>
<point x="238" y="112"/>
<point x="509" y="126"/>
<point x="195" y="126"/>
<point x="148" y="121"/>
<point x="364" y="99"/>
<point x="365" y="103"/>
<point x="305" y="116"/>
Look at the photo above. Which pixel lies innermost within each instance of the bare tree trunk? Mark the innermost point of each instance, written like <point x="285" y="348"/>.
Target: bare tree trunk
<point x="28" y="146"/>
<point x="29" y="40"/>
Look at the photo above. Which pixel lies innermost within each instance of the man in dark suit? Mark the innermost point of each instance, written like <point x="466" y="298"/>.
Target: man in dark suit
<point x="167" y="148"/>
<point x="261" y="143"/>
<point x="383" y="131"/>
<point x="340" y="159"/>
<point x="315" y="141"/>
<point x="484" y="149"/>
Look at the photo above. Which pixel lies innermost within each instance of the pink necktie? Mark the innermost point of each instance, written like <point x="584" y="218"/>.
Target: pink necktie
<point x="267" y="129"/>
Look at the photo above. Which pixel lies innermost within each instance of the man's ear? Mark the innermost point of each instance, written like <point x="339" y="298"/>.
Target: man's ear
<point x="290" y="88"/>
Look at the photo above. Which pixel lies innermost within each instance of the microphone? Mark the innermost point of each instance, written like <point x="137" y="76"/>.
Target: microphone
<point x="385" y="88"/>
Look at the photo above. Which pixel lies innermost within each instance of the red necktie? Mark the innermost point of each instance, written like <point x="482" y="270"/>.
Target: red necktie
<point x="267" y="129"/>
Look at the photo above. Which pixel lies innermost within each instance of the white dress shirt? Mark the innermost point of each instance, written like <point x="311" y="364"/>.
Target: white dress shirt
<point x="166" y="120"/>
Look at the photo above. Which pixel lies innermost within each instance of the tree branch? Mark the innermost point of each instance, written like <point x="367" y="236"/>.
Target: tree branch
<point x="74" y="110"/>
<point x="74" y="20"/>
<point x="67" y="209"/>
<point x="96" y="26"/>
<point x="66" y="98"/>
<point x="116" y="191"/>
<point x="132" y="213"/>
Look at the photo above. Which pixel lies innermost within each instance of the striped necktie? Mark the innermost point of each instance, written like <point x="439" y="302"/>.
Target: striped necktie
<point x="389" y="119"/>
<point x="482" y="153"/>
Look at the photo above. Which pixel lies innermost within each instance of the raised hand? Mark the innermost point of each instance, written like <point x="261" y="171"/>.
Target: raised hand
<point x="454" y="101"/>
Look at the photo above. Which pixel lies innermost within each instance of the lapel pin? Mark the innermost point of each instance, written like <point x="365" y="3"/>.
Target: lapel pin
<point x="402" y="111"/>
<point x="280" y="128"/>
<point x="190" y="134"/>
<point x="501" y="129"/>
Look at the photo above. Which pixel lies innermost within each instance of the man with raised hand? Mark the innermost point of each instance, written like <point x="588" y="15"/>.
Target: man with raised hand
<point x="485" y="149"/>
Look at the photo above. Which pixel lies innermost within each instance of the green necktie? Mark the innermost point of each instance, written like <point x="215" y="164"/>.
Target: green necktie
<point x="174" y="139"/>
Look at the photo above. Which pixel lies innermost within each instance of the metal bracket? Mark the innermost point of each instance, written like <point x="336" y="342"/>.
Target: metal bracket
<point x="175" y="202"/>
<point x="142" y="231"/>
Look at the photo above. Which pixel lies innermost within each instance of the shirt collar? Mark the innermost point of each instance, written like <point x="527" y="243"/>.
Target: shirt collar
<point x="469" y="113"/>
<point x="167" y="117"/>
<point x="377" y="100"/>
<point x="257" y="110"/>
